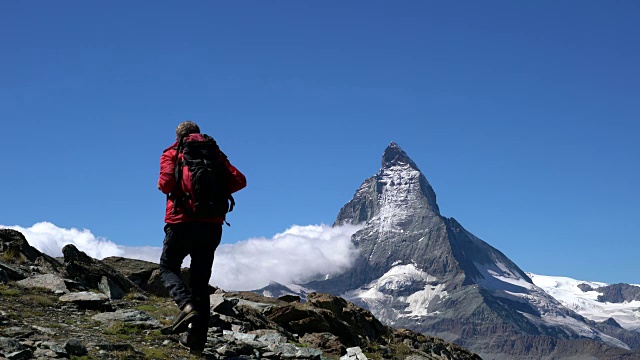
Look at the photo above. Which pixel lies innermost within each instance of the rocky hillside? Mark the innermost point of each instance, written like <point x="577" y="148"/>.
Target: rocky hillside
<point x="78" y="307"/>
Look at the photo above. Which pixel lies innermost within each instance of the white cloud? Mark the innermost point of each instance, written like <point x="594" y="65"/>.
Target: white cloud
<point x="294" y="255"/>
<point x="50" y="240"/>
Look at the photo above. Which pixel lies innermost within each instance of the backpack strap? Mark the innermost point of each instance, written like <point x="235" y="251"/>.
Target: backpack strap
<point x="178" y="193"/>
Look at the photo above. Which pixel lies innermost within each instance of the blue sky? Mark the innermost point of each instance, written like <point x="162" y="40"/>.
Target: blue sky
<point x="523" y="116"/>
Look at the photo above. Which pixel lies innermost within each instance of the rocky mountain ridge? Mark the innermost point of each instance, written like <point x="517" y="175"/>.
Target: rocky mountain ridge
<point x="79" y="307"/>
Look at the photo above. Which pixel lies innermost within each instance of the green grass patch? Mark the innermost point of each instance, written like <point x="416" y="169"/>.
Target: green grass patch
<point x="401" y="351"/>
<point x="373" y="356"/>
<point x="39" y="300"/>
<point x="153" y="353"/>
<point x="8" y="291"/>
<point x="12" y="255"/>
<point x="302" y="345"/>
<point x="33" y="313"/>
<point x="162" y="309"/>
<point x="121" y="328"/>
<point x="128" y="355"/>
<point x="154" y="335"/>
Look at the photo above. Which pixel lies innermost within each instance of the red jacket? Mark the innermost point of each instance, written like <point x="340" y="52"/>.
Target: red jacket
<point x="167" y="182"/>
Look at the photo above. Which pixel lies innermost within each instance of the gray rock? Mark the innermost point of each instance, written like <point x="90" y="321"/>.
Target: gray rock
<point x="73" y="285"/>
<point x="417" y="357"/>
<point x="155" y="285"/>
<point x="238" y="328"/>
<point x="140" y="297"/>
<point x="43" y="353"/>
<point x="354" y="353"/>
<point x="290" y="298"/>
<point x="4" y="278"/>
<point x="9" y="345"/>
<point x="226" y="350"/>
<point x="138" y="271"/>
<point x="46" y="281"/>
<point x="109" y="288"/>
<point x="47" y="265"/>
<point x="20" y="355"/>
<point x="75" y="347"/>
<point x="243" y="336"/>
<point x="585" y="287"/>
<point x="44" y="330"/>
<point x="14" y="244"/>
<point x="222" y="305"/>
<point x="89" y="271"/>
<point x="17" y="332"/>
<point x="56" y="348"/>
<point x="133" y="317"/>
<point x="12" y="272"/>
<point x="272" y="338"/>
<point x="325" y="341"/>
<point x="258" y="306"/>
<point x="85" y="299"/>
<point x="290" y="351"/>
<point x="619" y="293"/>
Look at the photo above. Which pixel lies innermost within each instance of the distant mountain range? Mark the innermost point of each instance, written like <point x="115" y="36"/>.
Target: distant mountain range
<point x="420" y="270"/>
<point x="597" y="301"/>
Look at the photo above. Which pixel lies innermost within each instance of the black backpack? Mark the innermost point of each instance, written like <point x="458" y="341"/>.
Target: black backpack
<point x="207" y="195"/>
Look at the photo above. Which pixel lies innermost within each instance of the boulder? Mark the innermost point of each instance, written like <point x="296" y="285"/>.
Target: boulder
<point x="290" y="351"/>
<point x="17" y="250"/>
<point x="138" y="271"/>
<point x="222" y="305"/>
<point x="144" y="274"/>
<point x="12" y="272"/>
<point x="90" y="272"/>
<point x="155" y="285"/>
<point x="290" y="298"/>
<point x="47" y="281"/>
<point x="129" y="316"/>
<point x="325" y="341"/>
<point x="86" y="299"/>
<point x="4" y="278"/>
<point x="75" y="347"/>
<point x="8" y="346"/>
<point x="361" y="321"/>
<point x="302" y="319"/>
<point x="109" y="288"/>
<point x="354" y="353"/>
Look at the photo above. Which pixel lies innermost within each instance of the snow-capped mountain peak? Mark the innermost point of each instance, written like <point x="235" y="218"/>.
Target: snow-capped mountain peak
<point x="394" y="155"/>
<point x="420" y="270"/>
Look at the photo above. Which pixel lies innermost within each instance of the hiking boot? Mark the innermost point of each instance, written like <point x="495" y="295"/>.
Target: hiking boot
<point x="186" y="317"/>
<point x="184" y="341"/>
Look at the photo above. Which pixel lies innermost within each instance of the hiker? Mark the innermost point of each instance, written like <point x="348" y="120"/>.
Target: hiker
<point x="198" y="180"/>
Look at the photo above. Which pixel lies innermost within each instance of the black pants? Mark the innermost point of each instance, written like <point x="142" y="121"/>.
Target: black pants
<point x="200" y="240"/>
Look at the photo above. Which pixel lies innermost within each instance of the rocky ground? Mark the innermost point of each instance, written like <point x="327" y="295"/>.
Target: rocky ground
<point x="83" y="308"/>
